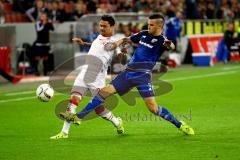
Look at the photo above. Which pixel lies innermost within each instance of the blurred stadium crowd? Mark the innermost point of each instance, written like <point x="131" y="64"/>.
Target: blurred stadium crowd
<point x="44" y="12"/>
<point x="71" y="10"/>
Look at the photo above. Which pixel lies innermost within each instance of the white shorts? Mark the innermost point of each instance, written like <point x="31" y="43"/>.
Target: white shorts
<point x="84" y="85"/>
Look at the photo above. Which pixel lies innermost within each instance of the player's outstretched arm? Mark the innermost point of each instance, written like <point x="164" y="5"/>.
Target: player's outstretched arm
<point x="114" y="45"/>
<point x="167" y="43"/>
<point x="80" y="42"/>
<point x="123" y="41"/>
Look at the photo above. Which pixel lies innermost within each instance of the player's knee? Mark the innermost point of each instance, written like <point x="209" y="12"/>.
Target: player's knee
<point x="104" y="92"/>
<point x="76" y="98"/>
<point x="107" y="91"/>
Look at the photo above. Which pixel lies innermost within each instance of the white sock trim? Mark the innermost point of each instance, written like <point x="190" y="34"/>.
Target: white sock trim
<point x="108" y="115"/>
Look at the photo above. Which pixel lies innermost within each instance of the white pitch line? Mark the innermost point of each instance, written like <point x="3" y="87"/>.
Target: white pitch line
<point x="200" y="76"/>
<point x="19" y="93"/>
<point x="170" y="80"/>
<point x="20" y="99"/>
<point x="25" y="92"/>
<point x="17" y="99"/>
<point x="230" y="68"/>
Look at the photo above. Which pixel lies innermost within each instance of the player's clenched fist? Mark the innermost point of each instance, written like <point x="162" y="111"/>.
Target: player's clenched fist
<point x="167" y="43"/>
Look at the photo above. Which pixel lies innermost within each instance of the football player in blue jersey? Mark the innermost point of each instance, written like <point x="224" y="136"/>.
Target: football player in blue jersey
<point x="173" y="28"/>
<point x="151" y="45"/>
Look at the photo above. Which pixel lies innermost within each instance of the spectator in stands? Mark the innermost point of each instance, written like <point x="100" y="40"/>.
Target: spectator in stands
<point x="53" y="13"/>
<point x="124" y="6"/>
<point x="227" y="12"/>
<point x="91" y="6"/>
<point x="94" y="33"/>
<point x="80" y="10"/>
<point x="135" y="28"/>
<point x="42" y="44"/>
<point x="172" y="8"/>
<point x="235" y="9"/>
<point x="34" y="13"/>
<point x="69" y="8"/>
<point x="230" y="36"/>
<point x="126" y="30"/>
<point x="22" y="5"/>
<point x="105" y="7"/>
<point x="146" y="10"/>
<point x="224" y="12"/>
<point x="191" y="9"/>
<point x="224" y="46"/>
<point x="210" y="11"/>
<point x="49" y="7"/>
<point x="10" y="78"/>
<point x="63" y="15"/>
<point x="139" y="5"/>
<point x="202" y="10"/>
<point x="161" y="6"/>
<point x="1" y="13"/>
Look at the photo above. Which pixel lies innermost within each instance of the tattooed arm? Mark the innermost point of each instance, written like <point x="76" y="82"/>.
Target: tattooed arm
<point x="112" y="46"/>
<point x="81" y="42"/>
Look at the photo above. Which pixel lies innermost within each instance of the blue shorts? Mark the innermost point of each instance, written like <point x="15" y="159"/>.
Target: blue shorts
<point x="127" y="80"/>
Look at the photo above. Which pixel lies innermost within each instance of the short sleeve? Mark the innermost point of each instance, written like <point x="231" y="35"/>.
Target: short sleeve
<point x="136" y="37"/>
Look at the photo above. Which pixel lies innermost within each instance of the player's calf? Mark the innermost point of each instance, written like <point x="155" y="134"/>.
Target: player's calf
<point x="73" y="103"/>
<point x="161" y="111"/>
<point x="152" y="105"/>
<point x="109" y="116"/>
<point x="72" y="107"/>
<point x="165" y="114"/>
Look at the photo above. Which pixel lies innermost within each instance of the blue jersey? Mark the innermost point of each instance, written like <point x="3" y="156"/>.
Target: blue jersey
<point x="149" y="49"/>
<point x="173" y="28"/>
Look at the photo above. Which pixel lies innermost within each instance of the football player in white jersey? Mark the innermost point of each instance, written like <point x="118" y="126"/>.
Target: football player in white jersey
<point x="81" y="85"/>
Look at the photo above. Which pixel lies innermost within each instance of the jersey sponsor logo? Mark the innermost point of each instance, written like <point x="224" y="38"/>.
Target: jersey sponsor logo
<point x="146" y="44"/>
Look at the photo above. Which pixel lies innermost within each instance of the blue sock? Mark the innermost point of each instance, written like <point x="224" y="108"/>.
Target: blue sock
<point x="165" y="114"/>
<point x="96" y="101"/>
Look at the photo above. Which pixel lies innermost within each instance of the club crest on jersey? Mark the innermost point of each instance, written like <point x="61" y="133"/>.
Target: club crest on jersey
<point x="154" y="40"/>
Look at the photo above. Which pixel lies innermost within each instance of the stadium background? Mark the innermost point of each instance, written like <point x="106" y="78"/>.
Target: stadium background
<point x="206" y="97"/>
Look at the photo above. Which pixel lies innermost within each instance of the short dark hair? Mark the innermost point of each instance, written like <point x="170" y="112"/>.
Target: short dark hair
<point x="157" y="16"/>
<point x="109" y="19"/>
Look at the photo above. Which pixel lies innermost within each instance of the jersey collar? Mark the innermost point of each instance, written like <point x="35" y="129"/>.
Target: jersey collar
<point x="107" y="35"/>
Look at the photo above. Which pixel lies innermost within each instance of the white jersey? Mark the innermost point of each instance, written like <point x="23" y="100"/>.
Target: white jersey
<point x="97" y="50"/>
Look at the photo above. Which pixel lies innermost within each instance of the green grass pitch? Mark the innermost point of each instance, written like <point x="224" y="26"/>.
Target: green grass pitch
<point x="206" y="98"/>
